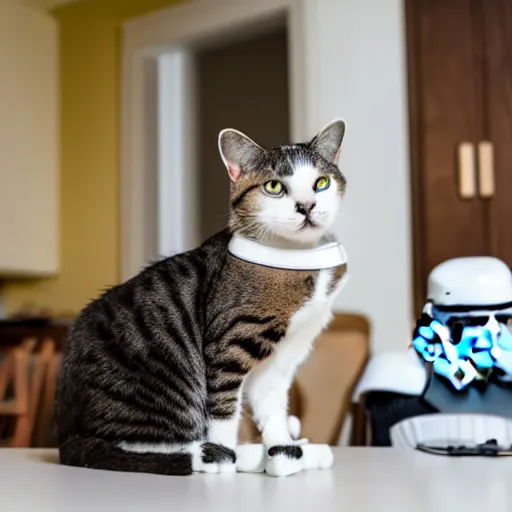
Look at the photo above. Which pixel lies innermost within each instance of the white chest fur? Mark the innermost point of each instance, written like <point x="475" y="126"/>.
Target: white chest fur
<point x="309" y="321"/>
<point x="266" y="387"/>
<point x="306" y="324"/>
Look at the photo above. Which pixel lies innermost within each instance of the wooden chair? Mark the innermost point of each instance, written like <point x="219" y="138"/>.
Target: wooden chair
<point x="23" y="372"/>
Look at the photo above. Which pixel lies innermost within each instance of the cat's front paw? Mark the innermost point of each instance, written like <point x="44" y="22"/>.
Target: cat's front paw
<point x="251" y="458"/>
<point x="317" y="456"/>
<point x="256" y="458"/>
<point x="216" y="458"/>
<point x="284" y="460"/>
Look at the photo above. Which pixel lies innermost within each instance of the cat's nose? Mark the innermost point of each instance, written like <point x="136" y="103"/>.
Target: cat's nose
<point x="304" y="208"/>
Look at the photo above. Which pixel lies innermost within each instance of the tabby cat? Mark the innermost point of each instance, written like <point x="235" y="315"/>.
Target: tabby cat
<point x="155" y="369"/>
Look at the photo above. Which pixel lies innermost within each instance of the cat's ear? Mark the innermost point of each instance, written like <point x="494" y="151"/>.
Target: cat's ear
<point x="237" y="150"/>
<point x="328" y="141"/>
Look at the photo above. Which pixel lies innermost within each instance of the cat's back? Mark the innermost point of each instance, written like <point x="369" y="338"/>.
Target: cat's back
<point x="156" y="287"/>
<point x="144" y="318"/>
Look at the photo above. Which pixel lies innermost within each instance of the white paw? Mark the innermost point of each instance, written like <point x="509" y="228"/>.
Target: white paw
<point x="254" y="458"/>
<point x="317" y="456"/>
<point x="226" y="467"/>
<point x="214" y="458"/>
<point x="251" y="458"/>
<point x="282" y="465"/>
<point x="216" y="467"/>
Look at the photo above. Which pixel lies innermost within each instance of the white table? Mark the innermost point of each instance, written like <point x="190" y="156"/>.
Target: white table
<point x="362" y="479"/>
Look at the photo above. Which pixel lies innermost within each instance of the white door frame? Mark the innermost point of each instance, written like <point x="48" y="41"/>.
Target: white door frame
<point x="157" y="99"/>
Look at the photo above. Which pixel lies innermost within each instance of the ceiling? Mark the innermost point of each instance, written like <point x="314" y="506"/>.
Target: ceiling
<point x="45" y="5"/>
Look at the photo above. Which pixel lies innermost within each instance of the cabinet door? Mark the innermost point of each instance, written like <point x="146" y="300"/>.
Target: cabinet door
<point x="497" y="15"/>
<point x="29" y="142"/>
<point x="444" y="57"/>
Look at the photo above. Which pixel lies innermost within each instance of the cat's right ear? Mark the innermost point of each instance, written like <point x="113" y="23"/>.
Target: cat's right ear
<point x="236" y="151"/>
<point x="328" y="141"/>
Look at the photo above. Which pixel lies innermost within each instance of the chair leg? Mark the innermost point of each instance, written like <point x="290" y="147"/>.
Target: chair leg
<point x="43" y="435"/>
<point x="26" y="422"/>
<point x="21" y="375"/>
<point x="5" y="374"/>
<point x="21" y="358"/>
<point x="6" y="370"/>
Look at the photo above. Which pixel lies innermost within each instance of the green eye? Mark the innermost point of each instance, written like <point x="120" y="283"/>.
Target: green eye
<point x="274" y="188"/>
<point x="322" y="184"/>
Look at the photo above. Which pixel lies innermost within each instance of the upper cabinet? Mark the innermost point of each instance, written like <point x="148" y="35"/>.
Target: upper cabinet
<point x="29" y="142"/>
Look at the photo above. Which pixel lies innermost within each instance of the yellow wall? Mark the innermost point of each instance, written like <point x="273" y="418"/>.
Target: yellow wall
<point x="90" y="111"/>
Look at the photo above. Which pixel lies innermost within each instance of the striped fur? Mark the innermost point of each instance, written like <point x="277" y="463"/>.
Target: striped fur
<point x="153" y="375"/>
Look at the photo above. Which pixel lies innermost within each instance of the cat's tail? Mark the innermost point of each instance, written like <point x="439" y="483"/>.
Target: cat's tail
<point x="101" y="454"/>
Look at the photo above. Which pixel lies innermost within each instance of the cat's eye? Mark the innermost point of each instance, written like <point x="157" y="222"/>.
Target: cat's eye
<point x="322" y="184"/>
<point x="274" y="188"/>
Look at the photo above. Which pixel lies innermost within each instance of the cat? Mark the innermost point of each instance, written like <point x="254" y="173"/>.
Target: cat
<point x="155" y="369"/>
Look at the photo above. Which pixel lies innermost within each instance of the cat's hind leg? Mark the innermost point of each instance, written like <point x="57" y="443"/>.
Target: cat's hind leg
<point x="224" y="406"/>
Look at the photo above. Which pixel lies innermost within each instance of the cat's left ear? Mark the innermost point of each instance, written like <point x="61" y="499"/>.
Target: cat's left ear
<point x="328" y="141"/>
<point x="237" y="152"/>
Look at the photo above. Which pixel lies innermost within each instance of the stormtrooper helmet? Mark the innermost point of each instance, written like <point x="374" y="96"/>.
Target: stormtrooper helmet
<point x="464" y="331"/>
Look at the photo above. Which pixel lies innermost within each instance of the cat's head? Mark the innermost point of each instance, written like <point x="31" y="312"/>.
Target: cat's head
<point x="287" y="193"/>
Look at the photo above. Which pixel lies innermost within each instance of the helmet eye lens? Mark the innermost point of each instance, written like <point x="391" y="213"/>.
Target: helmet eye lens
<point x="468" y="321"/>
<point x="504" y="319"/>
<point x="458" y="324"/>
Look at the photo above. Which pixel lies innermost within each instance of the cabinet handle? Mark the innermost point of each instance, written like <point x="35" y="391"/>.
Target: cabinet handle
<point x="486" y="169"/>
<point x="467" y="178"/>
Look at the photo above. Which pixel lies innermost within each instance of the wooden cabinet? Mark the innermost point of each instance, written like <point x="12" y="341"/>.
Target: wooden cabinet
<point x="460" y="88"/>
<point x="29" y="135"/>
<point x="497" y="23"/>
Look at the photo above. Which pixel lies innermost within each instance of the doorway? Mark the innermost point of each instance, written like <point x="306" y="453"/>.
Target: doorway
<point x="242" y="84"/>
